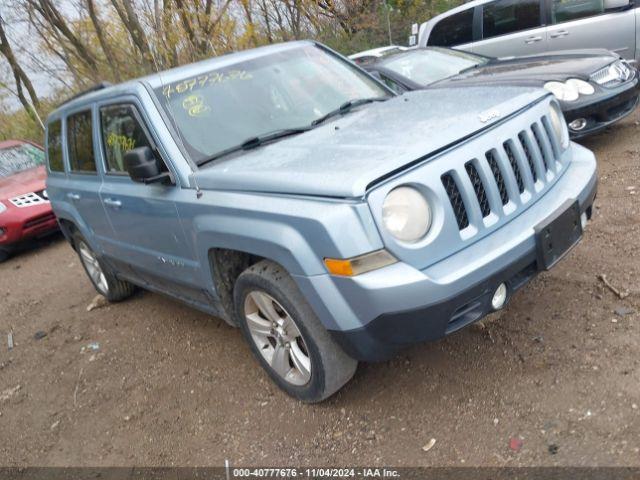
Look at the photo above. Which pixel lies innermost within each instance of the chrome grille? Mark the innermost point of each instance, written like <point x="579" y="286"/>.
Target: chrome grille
<point x="523" y="163"/>
<point x="29" y="199"/>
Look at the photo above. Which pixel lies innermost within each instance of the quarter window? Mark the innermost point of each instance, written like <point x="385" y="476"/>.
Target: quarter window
<point x="54" y="146"/>
<point x="80" y="143"/>
<point x="510" y="16"/>
<point x="453" y="31"/>
<point x="567" y="10"/>
<point x="121" y="132"/>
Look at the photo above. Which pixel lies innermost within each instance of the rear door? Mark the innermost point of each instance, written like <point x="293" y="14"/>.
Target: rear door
<point x="576" y="24"/>
<point x="149" y="241"/>
<point x="512" y="28"/>
<point x="455" y="31"/>
<point x="84" y="180"/>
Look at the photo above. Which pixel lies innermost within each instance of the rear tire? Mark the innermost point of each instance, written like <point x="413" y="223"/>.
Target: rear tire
<point x="289" y="340"/>
<point x="103" y="279"/>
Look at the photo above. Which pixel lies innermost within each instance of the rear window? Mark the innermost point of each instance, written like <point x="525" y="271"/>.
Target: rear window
<point x="510" y="16"/>
<point x="454" y="30"/>
<point x="80" y="142"/>
<point x="54" y="146"/>
<point x="19" y="158"/>
<point x="567" y="10"/>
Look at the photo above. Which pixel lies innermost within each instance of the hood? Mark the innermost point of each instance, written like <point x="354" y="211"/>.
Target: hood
<point x="31" y="180"/>
<point x="535" y="70"/>
<point x="342" y="158"/>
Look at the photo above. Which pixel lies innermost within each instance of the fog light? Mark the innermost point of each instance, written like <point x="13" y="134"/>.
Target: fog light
<point x="578" y="125"/>
<point x="583" y="220"/>
<point x="499" y="297"/>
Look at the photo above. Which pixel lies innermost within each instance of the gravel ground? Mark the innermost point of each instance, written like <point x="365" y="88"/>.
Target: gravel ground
<point x="551" y="380"/>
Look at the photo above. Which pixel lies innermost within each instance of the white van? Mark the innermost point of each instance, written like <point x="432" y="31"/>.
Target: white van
<point x="502" y="28"/>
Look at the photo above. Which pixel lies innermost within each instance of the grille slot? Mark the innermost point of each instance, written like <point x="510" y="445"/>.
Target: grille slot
<point x="514" y="165"/>
<point x="478" y="187"/>
<point x="455" y="197"/>
<point x="527" y="152"/>
<point x="497" y="174"/>
<point x="548" y="163"/>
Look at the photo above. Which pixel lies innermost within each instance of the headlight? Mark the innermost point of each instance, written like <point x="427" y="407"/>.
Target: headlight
<point x="571" y="90"/>
<point x="406" y="214"/>
<point x="559" y="125"/>
<point x="584" y="88"/>
<point x="2" y="207"/>
<point x="613" y="75"/>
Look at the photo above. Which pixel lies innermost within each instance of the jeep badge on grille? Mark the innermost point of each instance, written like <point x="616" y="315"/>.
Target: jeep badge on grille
<point x="489" y="115"/>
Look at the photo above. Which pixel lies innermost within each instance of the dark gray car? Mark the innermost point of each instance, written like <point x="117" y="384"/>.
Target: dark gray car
<point x="595" y="88"/>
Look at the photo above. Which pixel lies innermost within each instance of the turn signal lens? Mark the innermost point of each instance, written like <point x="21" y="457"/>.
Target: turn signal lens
<point x="359" y="265"/>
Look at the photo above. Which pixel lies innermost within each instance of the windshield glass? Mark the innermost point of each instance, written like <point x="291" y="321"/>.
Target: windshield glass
<point x="433" y="64"/>
<point x="20" y="158"/>
<point x="220" y="109"/>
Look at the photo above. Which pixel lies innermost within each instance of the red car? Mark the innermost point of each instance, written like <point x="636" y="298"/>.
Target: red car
<point x="25" y="211"/>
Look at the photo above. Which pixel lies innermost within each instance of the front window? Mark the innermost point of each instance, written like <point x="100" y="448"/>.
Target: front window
<point x="428" y="66"/>
<point x="217" y="110"/>
<point x="20" y="158"/>
<point x="568" y="10"/>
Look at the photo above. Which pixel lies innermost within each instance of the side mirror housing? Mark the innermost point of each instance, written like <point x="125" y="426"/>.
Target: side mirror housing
<point x="616" y="4"/>
<point x="142" y="166"/>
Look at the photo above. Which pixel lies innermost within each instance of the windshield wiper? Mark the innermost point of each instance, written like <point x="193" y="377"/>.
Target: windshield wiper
<point x="345" y="107"/>
<point x="257" y="141"/>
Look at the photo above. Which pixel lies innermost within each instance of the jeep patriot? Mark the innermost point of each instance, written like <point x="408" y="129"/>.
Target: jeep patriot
<point x="288" y="192"/>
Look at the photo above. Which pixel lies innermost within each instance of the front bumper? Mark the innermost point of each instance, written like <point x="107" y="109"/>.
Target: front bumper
<point x="17" y="224"/>
<point x="375" y="315"/>
<point x="604" y="111"/>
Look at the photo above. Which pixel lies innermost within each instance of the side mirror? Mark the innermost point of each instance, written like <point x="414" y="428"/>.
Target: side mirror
<point x="142" y="166"/>
<point x="616" y="4"/>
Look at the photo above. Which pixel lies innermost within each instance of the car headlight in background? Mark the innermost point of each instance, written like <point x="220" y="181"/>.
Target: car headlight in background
<point x="570" y="90"/>
<point x="613" y="75"/>
<point x="559" y="125"/>
<point x="3" y="207"/>
<point x="406" y="214"/>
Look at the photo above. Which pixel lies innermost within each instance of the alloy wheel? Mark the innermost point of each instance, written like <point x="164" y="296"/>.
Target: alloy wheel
<point x="277" y="338"/>
<point x="93" y="267"/>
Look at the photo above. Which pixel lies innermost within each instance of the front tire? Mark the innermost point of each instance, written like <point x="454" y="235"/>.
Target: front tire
<point x="102" y="278"/>
<point x="287" y="337"/>
<point x="4" y="254"/>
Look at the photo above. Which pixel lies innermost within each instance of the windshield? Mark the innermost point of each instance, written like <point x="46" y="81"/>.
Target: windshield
<point x="217" y="110"/>
<point x="433" y="64"/>
<point x="20" y="158"/>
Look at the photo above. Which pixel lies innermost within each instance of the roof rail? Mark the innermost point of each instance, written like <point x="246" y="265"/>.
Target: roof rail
<point x="95" y="88"/>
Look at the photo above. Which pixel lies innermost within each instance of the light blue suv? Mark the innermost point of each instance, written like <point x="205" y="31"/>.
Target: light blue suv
<point x="288" y="192"/>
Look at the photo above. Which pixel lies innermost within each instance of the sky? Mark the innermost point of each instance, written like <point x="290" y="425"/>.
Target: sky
<point x="21" y="39"/>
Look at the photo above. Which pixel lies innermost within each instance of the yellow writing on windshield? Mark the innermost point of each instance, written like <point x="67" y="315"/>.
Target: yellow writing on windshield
<point x="201" y="81"/>
<point x="121" y="141"/>
<point x="195" y="106"/>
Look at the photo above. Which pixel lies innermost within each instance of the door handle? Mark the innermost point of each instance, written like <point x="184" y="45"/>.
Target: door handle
<point x="559" y="34"/>
<point x="110" y="202"/>
<point x="73" y="196"/>
<point x="531" y="40"/>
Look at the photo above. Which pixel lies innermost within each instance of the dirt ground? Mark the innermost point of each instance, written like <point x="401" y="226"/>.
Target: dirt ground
<point x="552" y="380"/>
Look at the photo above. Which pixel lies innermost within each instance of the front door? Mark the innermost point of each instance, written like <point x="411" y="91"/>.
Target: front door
<point x="512" y="28"/>
<point x="577" y="24"/>
<point x="149" y="238"/>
